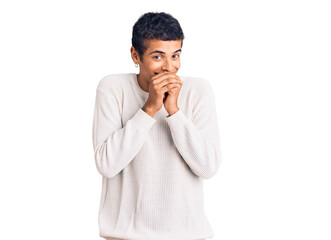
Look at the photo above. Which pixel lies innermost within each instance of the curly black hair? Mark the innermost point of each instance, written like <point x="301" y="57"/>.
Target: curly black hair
<point x="155" y="25"/>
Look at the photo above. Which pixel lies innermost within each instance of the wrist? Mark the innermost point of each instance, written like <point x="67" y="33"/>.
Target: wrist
<point x="149" y="110"/>
<point x="173" y="111"/>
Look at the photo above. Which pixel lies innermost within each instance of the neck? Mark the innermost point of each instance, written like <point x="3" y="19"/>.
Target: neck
<point x="144" y="85"/>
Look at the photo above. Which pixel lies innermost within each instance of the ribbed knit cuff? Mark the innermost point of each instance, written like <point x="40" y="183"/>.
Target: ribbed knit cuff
<point x="177" y="119"/>
<point x="142" y="120"/>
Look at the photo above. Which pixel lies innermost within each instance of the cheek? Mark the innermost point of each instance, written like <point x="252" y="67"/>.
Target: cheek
<point x="151" y="67"/>
<point x="154" y="65"/>
<point x="177" y="64"/>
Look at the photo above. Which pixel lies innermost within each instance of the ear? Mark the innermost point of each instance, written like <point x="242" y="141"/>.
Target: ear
<point x="134" y="55"/>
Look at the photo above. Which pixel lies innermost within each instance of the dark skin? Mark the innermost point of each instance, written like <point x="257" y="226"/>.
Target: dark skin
<point x="158" y="67"/>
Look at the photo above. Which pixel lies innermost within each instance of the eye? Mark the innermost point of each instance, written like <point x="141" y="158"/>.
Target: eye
<point x="175" y="56"/>
<point x="156" y="57"/>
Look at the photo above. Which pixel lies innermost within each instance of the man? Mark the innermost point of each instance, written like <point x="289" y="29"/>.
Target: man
<point x="155" y="138"/>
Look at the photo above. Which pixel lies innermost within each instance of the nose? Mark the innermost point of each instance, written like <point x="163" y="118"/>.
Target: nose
<point x="167" y="65"/>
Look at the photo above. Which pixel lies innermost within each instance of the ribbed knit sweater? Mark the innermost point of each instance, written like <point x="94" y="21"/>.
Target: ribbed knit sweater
<point x="153" y="167"/>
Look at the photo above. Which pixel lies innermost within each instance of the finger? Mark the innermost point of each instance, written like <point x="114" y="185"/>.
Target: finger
<point x="167" y="81"/>
<point x="158" y="75"/>
<point x="170" y="86"/>
<point x="174" y="90"/>
<point x="164" y="76"/>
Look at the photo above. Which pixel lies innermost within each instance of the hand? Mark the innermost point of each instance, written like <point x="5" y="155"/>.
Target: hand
<point x="162" y="87"/>
<point x="171" y="97"/>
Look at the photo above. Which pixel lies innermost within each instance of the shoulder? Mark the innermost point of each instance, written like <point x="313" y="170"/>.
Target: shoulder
<point x="114" y="81"/>
<point x="197" y="84"/>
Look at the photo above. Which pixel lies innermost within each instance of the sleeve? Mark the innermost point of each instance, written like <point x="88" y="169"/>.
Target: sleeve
<point x="115" y="146"/>
<point x="198" y="140"/>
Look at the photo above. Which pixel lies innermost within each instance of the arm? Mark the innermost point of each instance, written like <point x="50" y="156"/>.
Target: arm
<point x="115" y="146"/>
<point x="198" y="140"/>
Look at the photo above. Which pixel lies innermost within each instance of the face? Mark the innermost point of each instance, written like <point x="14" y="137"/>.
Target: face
<point x="160" y="56"/>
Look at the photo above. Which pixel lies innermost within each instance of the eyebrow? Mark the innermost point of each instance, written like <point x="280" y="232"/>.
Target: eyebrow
<point x="157" y="51"/>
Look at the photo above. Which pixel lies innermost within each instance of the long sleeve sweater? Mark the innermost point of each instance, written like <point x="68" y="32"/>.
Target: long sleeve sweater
<point x="153" y="167"/>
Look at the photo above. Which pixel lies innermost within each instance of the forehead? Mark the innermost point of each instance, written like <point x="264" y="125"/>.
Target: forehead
<point x="164" y="46"/>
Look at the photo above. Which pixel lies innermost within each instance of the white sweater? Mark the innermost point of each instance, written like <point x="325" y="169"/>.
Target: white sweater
<point x="153" y="167"/>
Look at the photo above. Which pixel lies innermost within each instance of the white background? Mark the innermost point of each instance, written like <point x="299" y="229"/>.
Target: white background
<point x="269" y="65"/>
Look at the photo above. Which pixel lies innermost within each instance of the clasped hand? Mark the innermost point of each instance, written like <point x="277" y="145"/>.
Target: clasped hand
<point x="170" y="85"/>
